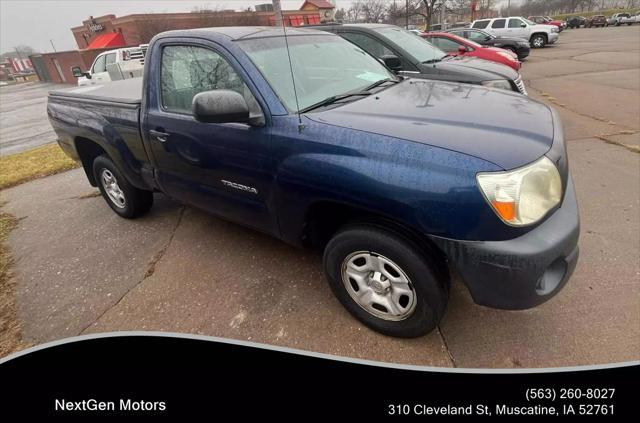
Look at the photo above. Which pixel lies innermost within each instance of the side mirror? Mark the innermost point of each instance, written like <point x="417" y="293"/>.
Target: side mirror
<point x="77" y="72"/>
<point x="220" y="106"/>
<point x="462" y="49"/>
<point x="523" y="25"/>
<point x="392" y="62"/>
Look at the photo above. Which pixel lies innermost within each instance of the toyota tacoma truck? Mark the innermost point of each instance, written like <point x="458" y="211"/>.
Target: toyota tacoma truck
<point x="400" y="182"/>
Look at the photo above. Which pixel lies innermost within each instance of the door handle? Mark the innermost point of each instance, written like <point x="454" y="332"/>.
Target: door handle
<point x="160" y="136"/>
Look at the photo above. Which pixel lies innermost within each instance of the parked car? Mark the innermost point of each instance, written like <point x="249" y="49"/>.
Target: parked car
<point x="614" y="20"/>
<point x="545" y="20"/>
<point x="454" y="45"/>
<point x="517" y="45"/>
<point x="576" y="21"/>
<point x="394" y="179"/>
<point x="563" y="24"/>
<point x="596" y="20"/>
<point x="631" y="19"/>
<point x="111" y="65"/>
<point x="519" y="27"/>
<point x="413" y="56"/>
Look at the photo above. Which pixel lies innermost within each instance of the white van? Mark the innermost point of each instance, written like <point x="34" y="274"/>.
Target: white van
<point x="122" y="63"/>
<point x="538" y="35"/>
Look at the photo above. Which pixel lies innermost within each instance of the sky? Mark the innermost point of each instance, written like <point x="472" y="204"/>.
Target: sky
<point x="39" y="23"/>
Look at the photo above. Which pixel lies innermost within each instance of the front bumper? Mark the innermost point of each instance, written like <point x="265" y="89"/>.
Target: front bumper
<point x="523" y="272"/>
<point x="553" y="37"/>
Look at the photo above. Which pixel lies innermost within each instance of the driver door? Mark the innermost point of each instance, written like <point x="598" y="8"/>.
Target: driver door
<point x="224" y="168"/>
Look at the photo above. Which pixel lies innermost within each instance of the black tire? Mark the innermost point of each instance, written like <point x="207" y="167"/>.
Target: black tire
<point x="430" y="292"/>
<point x="136" y="201"/>
<point x="538" y="40"/>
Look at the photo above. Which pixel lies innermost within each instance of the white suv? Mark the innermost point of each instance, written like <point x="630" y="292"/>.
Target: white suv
<point x="538" y="35"/>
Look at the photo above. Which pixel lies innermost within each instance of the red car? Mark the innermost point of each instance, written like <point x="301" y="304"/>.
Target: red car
<point x="454" y="45"/>
<point x="545" y="20"/>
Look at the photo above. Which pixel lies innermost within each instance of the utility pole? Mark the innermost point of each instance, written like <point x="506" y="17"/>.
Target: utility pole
<point x="278" y="12"/>
<point x="406" y="14"/>
<point x="54" y="47"/>
<point x="508" y="7"/>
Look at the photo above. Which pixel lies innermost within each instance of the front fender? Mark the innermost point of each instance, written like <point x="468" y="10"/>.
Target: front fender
<point x="430" y="189"/>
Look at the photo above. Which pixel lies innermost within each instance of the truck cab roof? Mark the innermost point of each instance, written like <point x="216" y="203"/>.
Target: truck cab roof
<point x="239" y="32"/>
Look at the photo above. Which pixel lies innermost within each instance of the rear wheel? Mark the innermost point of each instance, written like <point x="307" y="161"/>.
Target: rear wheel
<point x="385" y="281"/>
<point x="538" y="40"/>
<point x="123" y="198"/>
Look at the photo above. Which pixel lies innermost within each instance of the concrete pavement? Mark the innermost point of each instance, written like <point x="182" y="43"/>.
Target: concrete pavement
<point x="81" y="269"/>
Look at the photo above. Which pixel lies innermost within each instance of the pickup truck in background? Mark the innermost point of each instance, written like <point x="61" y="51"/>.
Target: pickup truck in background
<point x="630" y="20"/>
<point x="396" y="180"/>
<point x="616" y="18"/>
<point x="113" y="65"/>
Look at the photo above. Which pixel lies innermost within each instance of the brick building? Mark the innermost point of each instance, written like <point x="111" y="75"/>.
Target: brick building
<point x="140" y="28"/>
<point x="107" y="32"/>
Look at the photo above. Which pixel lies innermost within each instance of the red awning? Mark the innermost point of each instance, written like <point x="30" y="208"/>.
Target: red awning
<point x="112" y="39"/>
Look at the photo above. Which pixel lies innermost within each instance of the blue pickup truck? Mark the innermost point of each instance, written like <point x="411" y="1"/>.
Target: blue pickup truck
<point x="400" y="182"/>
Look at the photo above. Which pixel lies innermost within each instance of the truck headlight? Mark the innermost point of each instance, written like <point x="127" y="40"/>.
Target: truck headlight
<point x="498" y="83"/>
<point x="555" y="29"/>
<point x="522" y="196"/>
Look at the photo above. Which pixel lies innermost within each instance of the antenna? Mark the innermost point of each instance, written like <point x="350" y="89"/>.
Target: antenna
<point x="278" y="11"/>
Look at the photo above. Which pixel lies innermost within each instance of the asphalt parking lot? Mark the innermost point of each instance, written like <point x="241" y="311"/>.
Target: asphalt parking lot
<point x="81" y="269"/>
<point x="23" y="116"/>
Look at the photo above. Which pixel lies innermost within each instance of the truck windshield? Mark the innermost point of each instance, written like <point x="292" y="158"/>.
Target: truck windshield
<point x="421" y="50"/>
<point x="324" y="66"/>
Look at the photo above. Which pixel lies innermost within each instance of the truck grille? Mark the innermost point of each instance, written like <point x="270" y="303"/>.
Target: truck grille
<point x="520" y="85"/>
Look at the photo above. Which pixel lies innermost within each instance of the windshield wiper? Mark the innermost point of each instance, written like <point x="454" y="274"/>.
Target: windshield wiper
<point x="433" y="60"/>
<point x="378" y="83"/>
<point x="333" y="99"/>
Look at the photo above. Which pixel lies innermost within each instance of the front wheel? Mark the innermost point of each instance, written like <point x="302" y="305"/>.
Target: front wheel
<point x="385" y="281"/>
<point x="538" y="41"/>
<point x="123" y="198"/>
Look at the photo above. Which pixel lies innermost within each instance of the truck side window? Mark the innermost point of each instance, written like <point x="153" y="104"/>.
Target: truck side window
<point x="99" y="65"/>
<point x="368" y="44"/>
<point x="515" y="23"/>
<point x="189" y="70"/>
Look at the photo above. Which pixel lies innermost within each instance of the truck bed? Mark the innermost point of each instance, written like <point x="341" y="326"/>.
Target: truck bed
<point x="126" y="91"/>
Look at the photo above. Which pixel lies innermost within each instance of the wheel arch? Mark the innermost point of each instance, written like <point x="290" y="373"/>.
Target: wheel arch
<point x="324" y="219"/>
<point x="88" y="150"/>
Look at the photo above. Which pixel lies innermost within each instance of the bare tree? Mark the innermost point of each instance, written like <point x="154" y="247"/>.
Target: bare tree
<point x="355" y="11"/>
<point x="374" y="10"/>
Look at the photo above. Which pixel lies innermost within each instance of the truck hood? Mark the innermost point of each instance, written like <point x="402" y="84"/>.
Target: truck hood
<point x="509" y="130"/>
<point x="476" y="69"/>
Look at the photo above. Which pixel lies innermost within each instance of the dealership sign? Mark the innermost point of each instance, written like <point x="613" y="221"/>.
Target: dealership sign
<point x="96" y="27"/>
